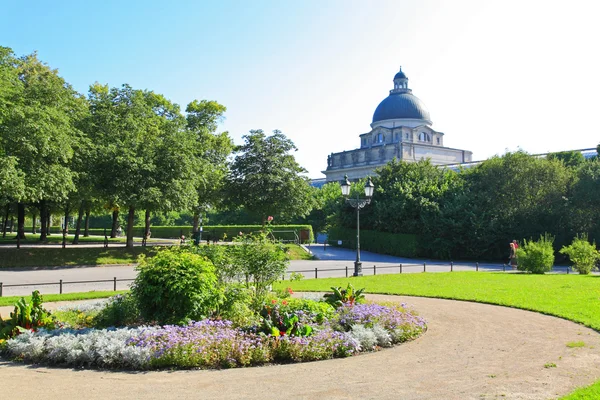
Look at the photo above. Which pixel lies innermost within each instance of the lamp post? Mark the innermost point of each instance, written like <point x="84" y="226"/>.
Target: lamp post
<point x="358" y="204"/>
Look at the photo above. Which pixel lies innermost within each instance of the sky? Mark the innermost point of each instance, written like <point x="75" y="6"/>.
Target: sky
<point x="496" y="76"/>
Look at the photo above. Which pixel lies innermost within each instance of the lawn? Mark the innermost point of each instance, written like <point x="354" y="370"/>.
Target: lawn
<point x="49" y="257"/>
<point x="574" y="297"/>
<point x="11" y="300"/>
<point x="31" y="238"/>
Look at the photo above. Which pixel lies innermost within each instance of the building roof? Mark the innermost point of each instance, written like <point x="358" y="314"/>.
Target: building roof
<point x="401" y="106"/>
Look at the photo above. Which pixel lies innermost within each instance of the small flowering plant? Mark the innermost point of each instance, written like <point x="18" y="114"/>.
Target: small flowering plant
<point x="277" y="320"/>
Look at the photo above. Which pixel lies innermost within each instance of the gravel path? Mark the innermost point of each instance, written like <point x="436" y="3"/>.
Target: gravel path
<point x="470" y="351"/>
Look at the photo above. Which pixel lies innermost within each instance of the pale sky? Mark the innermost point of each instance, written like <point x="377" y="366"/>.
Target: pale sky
<point x="495" y="75"/>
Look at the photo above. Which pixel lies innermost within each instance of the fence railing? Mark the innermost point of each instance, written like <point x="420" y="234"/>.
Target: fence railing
<point x="61" y="283"/>
<point x="401" y="268"/>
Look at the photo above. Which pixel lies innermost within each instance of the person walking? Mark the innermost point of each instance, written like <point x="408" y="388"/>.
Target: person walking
<point x="513" y="256"/>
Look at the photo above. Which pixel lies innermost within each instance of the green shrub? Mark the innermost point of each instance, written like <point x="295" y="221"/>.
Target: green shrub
<point x="236" y="306"/>
<point x="121" y="310"/>
<point x="261" y="262"/>
<point x="582" y="254"/>
<point x="536" y="257"/>
<point x="394" y="244"/>
<point x="176" y="286"/>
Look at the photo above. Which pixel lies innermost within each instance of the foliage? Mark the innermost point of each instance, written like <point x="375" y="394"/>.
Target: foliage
<point x="569" y="158"/>
<point x="582" y="253"/>
<point x="536" y="256"/>
<point x="237" y="306"/>
<point x="396" y="244"/>
<point x="27" y="316"/>
<point x="278" y="321"/>
<point x="266" y="179"/>
<point x="260" y="261"/>
<point x="119" y="310"/>
<point x="176" y="286"/>
<point x="347" y="296"/>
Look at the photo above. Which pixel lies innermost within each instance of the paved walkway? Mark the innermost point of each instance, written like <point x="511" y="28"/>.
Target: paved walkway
<point x="332" y="262"/>
<point x="470" y="351"/>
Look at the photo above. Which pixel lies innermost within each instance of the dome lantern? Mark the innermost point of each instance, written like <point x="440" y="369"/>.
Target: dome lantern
<point x="400" y="82"/>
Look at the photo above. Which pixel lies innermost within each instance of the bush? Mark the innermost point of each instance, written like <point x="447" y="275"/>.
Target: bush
<point x="536" y="257"/>
<point x="120" y="310"/>
<point x="582" y="254"/>
<point x="176" y="286"/>
<point x="261" y="261"/>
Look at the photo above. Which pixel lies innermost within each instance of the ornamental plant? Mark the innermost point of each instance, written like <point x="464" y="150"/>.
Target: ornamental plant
<point x="277" y="321"/>
<point x="536" y="256"/>
<point x="176" y="286"/>
<point x="341" y="296"/>
<point x="582" y="254"/>
<point x="27" y="316"/>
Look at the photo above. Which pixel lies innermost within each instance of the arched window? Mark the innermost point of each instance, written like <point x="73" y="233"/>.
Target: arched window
<point x="424" y="137"/>
<point x="380" y="138"/>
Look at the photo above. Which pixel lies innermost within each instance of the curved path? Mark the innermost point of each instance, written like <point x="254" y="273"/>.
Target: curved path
<point x="471" y="351"/>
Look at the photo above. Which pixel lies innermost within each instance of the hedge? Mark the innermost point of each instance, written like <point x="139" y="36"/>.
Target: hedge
<point x="394" y="244"/>
<point x="210" y="232"/>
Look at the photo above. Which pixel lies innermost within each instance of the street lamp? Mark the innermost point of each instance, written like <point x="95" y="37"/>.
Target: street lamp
<point x="358" y="204"/>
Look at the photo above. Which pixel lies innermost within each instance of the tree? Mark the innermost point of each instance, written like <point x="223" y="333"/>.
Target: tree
<point x="569" y="158"/>
<point x="266" y="179"/>
<point x="143" y="154"/>
<point x="40" y="131"/>
<point x="210" y="156"/>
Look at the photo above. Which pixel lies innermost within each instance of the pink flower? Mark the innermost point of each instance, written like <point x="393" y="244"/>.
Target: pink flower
<point x="269" y="218"/>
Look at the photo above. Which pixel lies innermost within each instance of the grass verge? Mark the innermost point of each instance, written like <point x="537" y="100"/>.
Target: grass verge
<point x="11" y="300"/>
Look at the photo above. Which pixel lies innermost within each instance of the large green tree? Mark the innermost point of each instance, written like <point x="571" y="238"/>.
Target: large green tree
<point x="40" y="131"/>
<point x="211" y="150"/>
<point x="266" y="179"/>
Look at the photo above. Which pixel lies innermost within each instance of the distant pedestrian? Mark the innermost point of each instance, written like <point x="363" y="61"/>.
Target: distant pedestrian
<point x="513" y="256"/>
<point x="516" y="244"/>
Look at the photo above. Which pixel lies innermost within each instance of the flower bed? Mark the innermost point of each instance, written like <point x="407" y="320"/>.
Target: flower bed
<point x="345" y="331"/>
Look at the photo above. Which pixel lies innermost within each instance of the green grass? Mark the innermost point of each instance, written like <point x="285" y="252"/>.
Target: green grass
<point x="572" y="345"/>
<point x="573" y="297"/>
<point x="51" y="257"/>
<point x="586" y="393"/>
<point x="11" y="300"/>
<point x="297" y="253"/>
<point x="31" y="238"/>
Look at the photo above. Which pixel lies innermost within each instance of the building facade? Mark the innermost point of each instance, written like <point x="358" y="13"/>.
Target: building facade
<point x="401" y="129"/>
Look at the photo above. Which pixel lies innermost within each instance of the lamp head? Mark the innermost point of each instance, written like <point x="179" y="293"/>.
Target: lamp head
<point x="345" y="184"/>
<point x="369" y="188"/>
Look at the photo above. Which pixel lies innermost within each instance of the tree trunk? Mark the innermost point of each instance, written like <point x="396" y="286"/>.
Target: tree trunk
<point x="86" y="232"/>
<point x="130" y="218"/>
<point x="66" y="225"/>
<point x="48" y="220"/>
<point x="5" y="220"/>
<point x="33" y="217"/>
<point x="115" y="224"/>
<point x="196" y="222"/>
<point x="12" y="224"/>
<point x="147" y="225"/>
<point x="20" y="221"/>
<point x="78" y="225"/>
<point x="44" y="219"/>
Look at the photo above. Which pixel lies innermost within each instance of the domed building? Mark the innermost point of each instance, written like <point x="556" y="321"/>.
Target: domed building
<point x="401" y="128"/>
